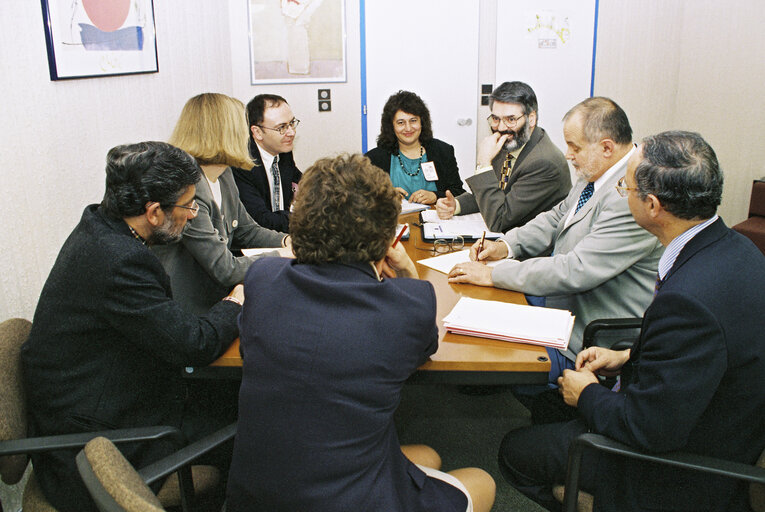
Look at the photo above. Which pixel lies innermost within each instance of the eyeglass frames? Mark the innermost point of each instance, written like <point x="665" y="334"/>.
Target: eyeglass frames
<point x="510" y="121"/>
<point x="194" y="207"/>
<point x="282" y="128"/>
<point x="444" y="245"/>
<point x="622" y="188"/>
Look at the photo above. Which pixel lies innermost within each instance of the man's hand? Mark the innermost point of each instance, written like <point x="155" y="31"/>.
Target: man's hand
<point x="491" y="251"/>
<point x="602" y="361"/>
<point x="423" y="197"/>
<point x="397" y="263"/>
<point x="445" y="206"/>
<point x="238" y="293"/>
<point x="489" y="147"/>
<point x="471" y="272"/>
<point x="571" y="384"/>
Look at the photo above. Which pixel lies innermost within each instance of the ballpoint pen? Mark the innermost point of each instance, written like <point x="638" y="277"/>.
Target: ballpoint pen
<point x="480" y="245"/>
<point x="400" y="234"/>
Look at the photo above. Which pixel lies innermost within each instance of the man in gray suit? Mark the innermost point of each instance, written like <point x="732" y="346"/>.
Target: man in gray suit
<point x="520" y="172"/>
<point x="601" y="263"/>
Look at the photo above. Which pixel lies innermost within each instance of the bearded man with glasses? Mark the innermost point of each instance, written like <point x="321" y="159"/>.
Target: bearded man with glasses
<point x="520" y="172"/>
<point x="267" y="189"/>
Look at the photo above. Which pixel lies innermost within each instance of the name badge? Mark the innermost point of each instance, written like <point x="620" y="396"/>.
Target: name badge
<point x="429" y="171"/>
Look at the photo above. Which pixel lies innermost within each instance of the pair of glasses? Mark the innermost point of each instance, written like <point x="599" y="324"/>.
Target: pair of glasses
<point x="622" y="188"/>
<point x="444" y="245"/>
<point x="510" y="121"/>
<point x="282" y="128"/>
<point x="194" y="207"/>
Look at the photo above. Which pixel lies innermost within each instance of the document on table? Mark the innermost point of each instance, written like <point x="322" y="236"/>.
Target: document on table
<point x="405" y="236"/>
<point x="407" y="207"/>
<point x="445" y="262"/>
<point x="511" y="322"/>
<point x="466" y="226"/>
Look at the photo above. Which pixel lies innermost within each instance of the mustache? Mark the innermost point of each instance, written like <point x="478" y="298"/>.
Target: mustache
<point x="506" y="132"/>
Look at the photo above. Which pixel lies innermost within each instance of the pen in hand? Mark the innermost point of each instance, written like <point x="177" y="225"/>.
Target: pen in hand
<point x="480" y="245"/>
<point x="400" y="234"/>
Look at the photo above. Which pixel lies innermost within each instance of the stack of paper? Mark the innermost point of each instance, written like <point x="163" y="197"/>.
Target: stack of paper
<point x="511" y="322"/>
<point x="466" y="226"/>
<point x="408" y="207"/>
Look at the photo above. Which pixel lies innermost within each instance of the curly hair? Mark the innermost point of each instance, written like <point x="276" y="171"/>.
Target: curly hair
<point x="345" y="211"/>
<point x="407" y="102"/>
<point x="213" y="129"/>
<point x="145" y="172"/>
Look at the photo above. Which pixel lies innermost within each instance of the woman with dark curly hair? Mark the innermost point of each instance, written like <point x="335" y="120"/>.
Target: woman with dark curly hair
<point x="327" y="344"/>
<point x="420" y="167"/>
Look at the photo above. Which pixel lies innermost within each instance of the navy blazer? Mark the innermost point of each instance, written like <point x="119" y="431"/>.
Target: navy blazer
<point x="327" y="349"/>
<point x="438" y="152"/>
<point x="255" y="193"/>
<point x="694" y="381"/>
<point x="107" y="349"/>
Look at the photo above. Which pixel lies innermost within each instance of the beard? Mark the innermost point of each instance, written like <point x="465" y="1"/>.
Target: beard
<point x="519" y="137"/>
<point x="167" y="233"/>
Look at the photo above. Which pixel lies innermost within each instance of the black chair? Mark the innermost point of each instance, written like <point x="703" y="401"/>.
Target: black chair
<point x="754" y="227"/>
<point x="117" y="487"/>
<point x="755" y="474"/>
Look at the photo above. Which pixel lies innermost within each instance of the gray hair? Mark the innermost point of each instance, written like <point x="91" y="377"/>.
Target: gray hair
<point x="682" y="171"/>
<point x="515" y="92"/>
<point x="603" y="119"/>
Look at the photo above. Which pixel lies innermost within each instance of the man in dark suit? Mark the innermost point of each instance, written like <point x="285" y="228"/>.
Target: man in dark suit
<point x="108" y="343"/>
<point x="694" y="379"/>
<point x="267" y="189"/>
<point x="520" y="172"/>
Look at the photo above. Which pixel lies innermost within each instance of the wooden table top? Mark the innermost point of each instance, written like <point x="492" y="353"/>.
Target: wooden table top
<point x="515" y="362"/>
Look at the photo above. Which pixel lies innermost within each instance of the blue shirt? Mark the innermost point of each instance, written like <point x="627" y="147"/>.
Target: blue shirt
<point x="403" y="179"/>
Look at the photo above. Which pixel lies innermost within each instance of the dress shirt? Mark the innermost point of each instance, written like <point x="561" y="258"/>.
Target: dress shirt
<point x="676" y="245"/>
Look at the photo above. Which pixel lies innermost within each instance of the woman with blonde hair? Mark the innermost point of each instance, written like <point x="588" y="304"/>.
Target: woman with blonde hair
<point x="202" y="266"/>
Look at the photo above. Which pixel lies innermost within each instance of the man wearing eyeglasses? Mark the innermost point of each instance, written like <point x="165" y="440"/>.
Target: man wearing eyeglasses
<point x="520" y="172"/>
<point x="267" y="189"/>
<point x="108" y="343"/>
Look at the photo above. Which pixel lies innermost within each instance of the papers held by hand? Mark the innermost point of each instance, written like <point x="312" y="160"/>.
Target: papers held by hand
<point x="466" y="226"/>
<point x="445" y="262"/>
<point x="511" y="322"/>
<point x="408" y="207"/>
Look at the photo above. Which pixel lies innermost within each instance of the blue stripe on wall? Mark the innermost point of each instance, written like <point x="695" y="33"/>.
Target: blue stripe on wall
<point x="362" y="18"/>
<point x="594" y="48"/>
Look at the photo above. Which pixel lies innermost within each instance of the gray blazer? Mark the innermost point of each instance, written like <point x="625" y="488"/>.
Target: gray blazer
<point x="201" y="266"/>
<point x="540" y="180"/>
<point x="603" y="264"/>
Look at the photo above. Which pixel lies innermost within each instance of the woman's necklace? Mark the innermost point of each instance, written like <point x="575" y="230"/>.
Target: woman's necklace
<point x="419" y="163"/>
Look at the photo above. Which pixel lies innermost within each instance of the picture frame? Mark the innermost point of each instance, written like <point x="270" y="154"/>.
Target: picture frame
<point x="95" y="38"/>
<point x="297" y="41"/>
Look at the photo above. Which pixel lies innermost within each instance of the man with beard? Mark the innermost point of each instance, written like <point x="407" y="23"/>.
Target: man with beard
<point x="520" y="172"/>
<point x="108" y="342"/>
<point x="601" y="264"/>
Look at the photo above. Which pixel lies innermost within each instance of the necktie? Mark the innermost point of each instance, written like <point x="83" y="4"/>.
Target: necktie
<point x="277" y="185"/>
<point x="659" y="282"/>
<point x="586" y="194"/>
<point x="507" y="168"/>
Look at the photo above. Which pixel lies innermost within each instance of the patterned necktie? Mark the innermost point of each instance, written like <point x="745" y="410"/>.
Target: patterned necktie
<point x="586" y="194"/>
<point x="659" y="282"/>
<point x="507" y="168"/>
<point x="277" y="185"/>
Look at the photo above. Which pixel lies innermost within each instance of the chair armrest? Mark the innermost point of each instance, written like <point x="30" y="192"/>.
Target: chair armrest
<point x="683" y="460"/>
<point x="186" y="455"/>
<point x="69" y="441"/>
<point x="608" y="324"/>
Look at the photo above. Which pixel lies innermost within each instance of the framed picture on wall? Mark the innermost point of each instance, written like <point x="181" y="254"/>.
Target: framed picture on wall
<point x="91" y="38"/>
<point x="297" y="41"/>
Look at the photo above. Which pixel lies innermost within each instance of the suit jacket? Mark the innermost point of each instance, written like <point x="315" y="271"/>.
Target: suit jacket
<point x="107" y="346"/>
<point x="540" y="179"/>
<point x="442" y="156"/>
<point x="694" y="382"/>
<point x="202" y="266"/>
<point x="256" y="194"/>
<point x="603" y="264"/>
<point x="327" y="349"/>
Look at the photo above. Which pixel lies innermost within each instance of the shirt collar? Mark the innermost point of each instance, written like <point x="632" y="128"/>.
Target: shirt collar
<point x="675" y="246"/>
<point x="268" y="158"/>
<point x="614" y="168"/>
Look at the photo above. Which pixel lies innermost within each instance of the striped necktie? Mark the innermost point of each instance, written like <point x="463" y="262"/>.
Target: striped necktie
<point x="277" y="185"/>
<point x="507" y="168"/>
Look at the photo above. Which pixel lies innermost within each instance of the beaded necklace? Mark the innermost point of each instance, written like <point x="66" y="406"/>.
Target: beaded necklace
<point x="419" y="163"/>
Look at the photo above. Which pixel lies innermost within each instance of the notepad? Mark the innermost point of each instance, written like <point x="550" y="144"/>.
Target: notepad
<point x="511" y="322"/>
<point x="409" y="207"/>
<point x="467" y="226"/>
<point x="445" y="262"/>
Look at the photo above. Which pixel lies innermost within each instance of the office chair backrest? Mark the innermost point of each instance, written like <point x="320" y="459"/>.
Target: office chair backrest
<point x="13" y="423"/>
<point x="757" y="202"/>
<point x="112" y="482"/>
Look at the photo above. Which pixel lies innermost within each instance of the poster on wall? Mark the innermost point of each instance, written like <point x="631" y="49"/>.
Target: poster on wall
<point x="297" y="41"/>
<point x="91" y="38"/>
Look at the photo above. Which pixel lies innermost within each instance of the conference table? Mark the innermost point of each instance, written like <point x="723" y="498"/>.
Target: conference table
<point x="459" y="359"/>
